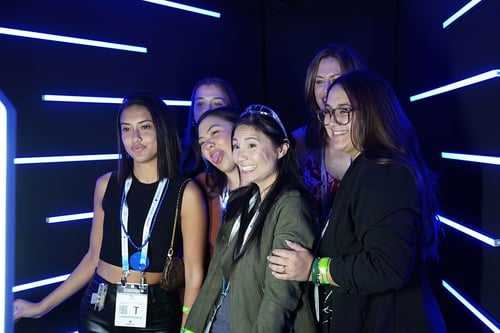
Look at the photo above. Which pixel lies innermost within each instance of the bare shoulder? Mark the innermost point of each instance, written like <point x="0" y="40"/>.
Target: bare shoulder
<point x="103" y="180"/>
<point x="102" y="183"/>
<point x="192" y="191"/>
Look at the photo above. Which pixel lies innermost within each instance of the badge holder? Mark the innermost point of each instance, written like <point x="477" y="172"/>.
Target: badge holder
<point x="131" y="304"/>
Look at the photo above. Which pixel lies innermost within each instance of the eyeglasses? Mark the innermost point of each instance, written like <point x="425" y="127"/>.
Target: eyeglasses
<point x="265" y="111"/>
<point x="341" y="116"/>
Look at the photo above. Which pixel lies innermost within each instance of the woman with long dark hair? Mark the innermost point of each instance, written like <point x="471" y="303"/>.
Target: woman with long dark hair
<point x="371" y="266"/>
<point x="239" y="293"/>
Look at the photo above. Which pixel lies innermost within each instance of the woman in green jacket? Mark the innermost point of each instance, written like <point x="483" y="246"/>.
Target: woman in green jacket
<point x="239" y="293"/>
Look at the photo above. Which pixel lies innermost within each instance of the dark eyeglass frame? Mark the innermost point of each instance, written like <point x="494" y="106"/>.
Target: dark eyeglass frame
<point x="321" y="115"/>
<point x="264" y="111"/>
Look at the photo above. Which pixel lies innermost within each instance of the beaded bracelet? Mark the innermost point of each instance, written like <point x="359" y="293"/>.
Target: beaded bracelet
<point x="315" y="272"/>
<point x="323" y="267"/>
<point x="186" y="309"/>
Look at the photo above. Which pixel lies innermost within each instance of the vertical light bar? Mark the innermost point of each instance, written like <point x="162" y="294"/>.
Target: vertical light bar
<point x="7" y="209"/>
<point x="471" y="158"/>
<point x="185" y="7"/>
<point x="491" y="323"/>
<point x="71" y="40"/>
<point x="459" y="84"/>
<point x="464" y="10"/>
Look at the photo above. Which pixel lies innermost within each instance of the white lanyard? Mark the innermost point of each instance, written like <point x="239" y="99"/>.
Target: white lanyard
<point x="236" y="226"/>
<point x="223" y="198"/>
<point x="146" y="231"/>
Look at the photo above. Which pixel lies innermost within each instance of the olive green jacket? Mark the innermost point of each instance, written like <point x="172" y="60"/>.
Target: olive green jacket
<point x="259" y="302"/>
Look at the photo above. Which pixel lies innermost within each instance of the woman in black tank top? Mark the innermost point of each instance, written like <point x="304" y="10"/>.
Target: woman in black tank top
<point x="132" y="227"/>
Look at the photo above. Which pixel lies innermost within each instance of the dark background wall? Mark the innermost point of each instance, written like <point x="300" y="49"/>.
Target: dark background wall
<point x="262" y="48"/>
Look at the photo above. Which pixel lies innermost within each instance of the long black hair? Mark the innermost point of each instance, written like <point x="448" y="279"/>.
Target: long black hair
<point x="168" y="150"/>
<point x="289" y="177"/>
<point x="383" y="132"/>
<point x="215" y="179"/>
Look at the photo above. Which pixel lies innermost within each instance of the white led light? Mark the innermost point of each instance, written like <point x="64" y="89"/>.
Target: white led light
<point x="103" y="100"/>
<point x="81" y="99"/>
<point x="40" y="283"/>
<point x="3" y="207"/>
<point x="70" y="217"/>
<point x="185" y="7"/>
<point x="71" y="40"/>
<point x="464" y="10"/>
<point x="483" y="237"/>
<point x="456" y="85"/>
<point x="485" y="319"/>
<point x="62" y="159"/>
<point x="472" y="158"/>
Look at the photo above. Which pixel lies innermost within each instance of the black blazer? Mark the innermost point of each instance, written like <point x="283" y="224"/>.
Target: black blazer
<point x="373" y="240"/>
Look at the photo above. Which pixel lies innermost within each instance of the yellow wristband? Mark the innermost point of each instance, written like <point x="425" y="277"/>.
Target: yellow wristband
<point x="185" y="330"/>
<point x="186" y="309"/>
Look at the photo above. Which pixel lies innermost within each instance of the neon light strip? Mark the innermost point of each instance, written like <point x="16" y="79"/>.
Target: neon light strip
<point x="3" y="208"/>
<point x="40" y="283"/>
<point x="185" y="7"/>
<point x="483" y="237"/>
<point x="104" y="100"/>
<point x="460" y="13"/>
<point x="456" y="85"/>
<point x="472" y="158"/>
<point x="71" y="217"/>
<point x="59" y="159"/>
<point x="71" y="40"/>
<point x="478" y="312"/>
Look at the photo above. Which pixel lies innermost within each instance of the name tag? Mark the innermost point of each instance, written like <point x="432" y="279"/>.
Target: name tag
<point x="131" y="305"/>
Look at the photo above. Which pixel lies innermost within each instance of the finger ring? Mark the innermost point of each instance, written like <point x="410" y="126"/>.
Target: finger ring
<point x="284" y="270"/>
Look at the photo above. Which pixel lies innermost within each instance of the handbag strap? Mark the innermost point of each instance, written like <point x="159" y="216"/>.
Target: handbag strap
<point x="170" y="252"/>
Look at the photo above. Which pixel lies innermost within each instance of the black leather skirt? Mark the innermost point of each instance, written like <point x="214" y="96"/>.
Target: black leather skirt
<point x="164" y="311"/>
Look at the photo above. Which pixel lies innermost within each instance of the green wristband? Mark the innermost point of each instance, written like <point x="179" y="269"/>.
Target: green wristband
<point x="314" y="272"/>
<point x="323" y="267"/>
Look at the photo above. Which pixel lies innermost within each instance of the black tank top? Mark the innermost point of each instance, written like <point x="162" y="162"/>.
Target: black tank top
<point x="139" y="200"/>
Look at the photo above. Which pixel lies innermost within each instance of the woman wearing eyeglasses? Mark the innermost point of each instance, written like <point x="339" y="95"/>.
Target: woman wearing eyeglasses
<point x="323" y="166"/>
<point x="371" y="267"/>
<point x="239" y="293"/>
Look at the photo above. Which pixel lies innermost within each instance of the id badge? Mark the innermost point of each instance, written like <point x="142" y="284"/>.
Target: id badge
<point x="131" y="305"/>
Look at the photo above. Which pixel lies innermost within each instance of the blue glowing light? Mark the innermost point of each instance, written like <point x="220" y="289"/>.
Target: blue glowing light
<point x="472" y="158"/>
<point x="478" y="312"/>
<point x="185" y="7"/>
<point x="456" y="85"/>
<point x="70" y="217"/>
<point x="62" y="159"/>
<point x="71" y="40"/>
<point x="103" y="100"/>
<point x="3" y="206"/>
<point x="461" y="12"/>
<point x="483" y="237"/>
<point x="40" y="283"/>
